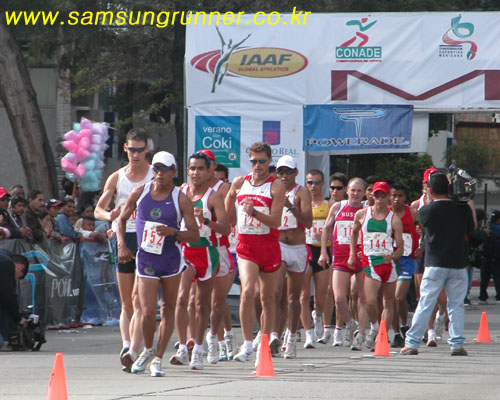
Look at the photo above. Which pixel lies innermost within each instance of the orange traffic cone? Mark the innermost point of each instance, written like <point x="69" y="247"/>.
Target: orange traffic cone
<point x="483" y="334"/>
<point x="57" y="383"/>
<point x="265" y="366"/>
<point x="382" y="343"/>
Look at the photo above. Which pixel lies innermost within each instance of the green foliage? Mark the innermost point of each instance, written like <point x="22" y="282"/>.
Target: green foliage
<point x="470" y="155"/>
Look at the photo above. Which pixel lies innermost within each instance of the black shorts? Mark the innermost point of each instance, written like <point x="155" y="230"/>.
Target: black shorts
<point x="315" y="253"/>
<point x="131" y="243"/>
<point x="419" y="265"/>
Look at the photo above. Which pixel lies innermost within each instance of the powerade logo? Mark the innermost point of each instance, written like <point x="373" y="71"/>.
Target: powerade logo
<point x="454" y="47"/>
<point x="355" y="49"/>
<point x="271" y="132"/>
<point x="356" y="116"/>
<point x="221" y="135"/>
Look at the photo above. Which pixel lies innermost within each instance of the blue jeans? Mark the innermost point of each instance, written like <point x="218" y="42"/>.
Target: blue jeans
<point x="455" y="283"/>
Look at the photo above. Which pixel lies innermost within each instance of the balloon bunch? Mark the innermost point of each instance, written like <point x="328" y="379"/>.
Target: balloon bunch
<point x="86" y="144"/>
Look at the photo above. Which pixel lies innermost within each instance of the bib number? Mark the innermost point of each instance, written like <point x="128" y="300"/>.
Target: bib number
<point x="205" y="231"/>
<point x="288" y="220"/>
<point x="377" y="244"/>
<point x="315" y="229"/>
<point x="249" y="225"/>
<point x="408" y="241"/>
<point x="130" y="227"/>
<point x="152" y="242"/>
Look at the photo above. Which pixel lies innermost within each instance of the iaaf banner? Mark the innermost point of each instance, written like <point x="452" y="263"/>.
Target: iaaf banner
<point x="357" y="127"/>
<point x="445" y="60"/>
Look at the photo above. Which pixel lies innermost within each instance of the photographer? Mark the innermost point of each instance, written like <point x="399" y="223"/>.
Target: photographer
<point x="12" y="268"/>
<point x="446" y="223"/>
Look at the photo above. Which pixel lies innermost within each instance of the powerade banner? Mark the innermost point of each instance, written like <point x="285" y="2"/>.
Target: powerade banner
<point x="357" y="127"/>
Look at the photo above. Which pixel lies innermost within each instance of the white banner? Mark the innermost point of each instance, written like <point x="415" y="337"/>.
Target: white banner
<point x="430" y="60"/>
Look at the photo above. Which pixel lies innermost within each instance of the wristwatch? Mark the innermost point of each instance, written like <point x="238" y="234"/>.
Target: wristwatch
<point x="206" y="221"/>
<point x="292" y="208"/>
<point x="176" y="233"/>
<point x="254" y="212"/>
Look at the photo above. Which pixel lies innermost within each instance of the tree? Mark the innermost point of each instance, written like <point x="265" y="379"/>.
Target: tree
<point x="472" y="156"/>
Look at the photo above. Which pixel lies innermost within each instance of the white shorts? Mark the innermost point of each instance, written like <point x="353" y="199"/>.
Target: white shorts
<point x="224" y="261"/>
<point x="294" y="256"/>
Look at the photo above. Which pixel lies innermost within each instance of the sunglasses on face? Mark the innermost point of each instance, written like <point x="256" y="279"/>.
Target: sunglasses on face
<point x="379" y="195"/>
<point x="311" y="182"/>
<point x="4" y="198"/>
<point x="162" y="168"/>
<point x="136" y="149"/>
<point x="336" y="187"/>
<point x="287" y="171"/>
<point x="260" y="161"/>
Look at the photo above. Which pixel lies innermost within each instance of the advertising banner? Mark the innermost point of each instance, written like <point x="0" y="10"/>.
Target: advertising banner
<point x="357" y="127"/>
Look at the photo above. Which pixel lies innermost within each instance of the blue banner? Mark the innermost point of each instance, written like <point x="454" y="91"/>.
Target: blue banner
<point x="357" y="127"/>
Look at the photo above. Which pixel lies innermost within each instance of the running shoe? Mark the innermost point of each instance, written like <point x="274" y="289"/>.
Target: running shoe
<point x="244" y="355"/>
<point x="403" y="330"/>
<point x="397" y="341"/>
<point x="309" y="343"/>
<point x="228" y="341"/>
<point x="357" y="343"/>
<point x="318" y="324"/>
<point x="439" y="325"/>
<point x="349" y="333"/>
<point x="370" y="339"/>
<point x="213" y="352"/>
<point x="291" y="348"/>
<point x="431" y="338"/>
<point x="196" y="361"/>
<point x="222" y="351"/>
<point x="285" y="338"/>
<point x="140" y="364"/>
<point x="180" y="358"/>
<point x="155" y="367"/>
<point x="127" y="360"/>
<point x="275" y="344"/>
<point x="325" y="338"/>
<point x="123" y="351"/>
<point x="190" y="346"/>
<point x="256" y="341"/>
<point x="337" y="338"/>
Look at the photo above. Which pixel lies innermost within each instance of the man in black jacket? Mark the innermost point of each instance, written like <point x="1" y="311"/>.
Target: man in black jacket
<point x="12" y="268"/>
<point x="447" y="223"/>
<point x="16" y="232"/>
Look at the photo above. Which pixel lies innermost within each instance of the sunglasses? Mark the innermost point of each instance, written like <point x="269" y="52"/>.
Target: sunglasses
<point x="336" y="187"/>
<point x="162" y="168"/>
<point x="379" y="194"/>
<point x="260" y="161"/>
<point x="5" y="198"/>
<point x="318" y="182"/>
<point x="136" y="149"/>
<point x="197" y="155"/>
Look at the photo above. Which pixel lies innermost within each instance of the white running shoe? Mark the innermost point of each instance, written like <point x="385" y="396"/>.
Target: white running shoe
<point x="196" y="361"/>
<point x="180" y="358"/>
<point x="228" y="341"/>
<point x="275" y="345"/>
<point x="291" y="348"/>
<point x="244" y="355"/>
<point x="349" y="333"/>
<point x="256" y="341"/>
<point x="309" y="343"/>
<point x="285" y="338"/>
<point x="439" y="325"/>
<point x="357" y="343"/>
<point x="140" y="364"/>
<point x="327" y="334"/>
<point x="431" y="338"/>
<point x="370" y="339"/>
<point x="155" y="367"/>
<point x="213" y="351"/>
<point x="222" y="351"/>
<point x="337" y="338"/>
<point x="318" y="324"/>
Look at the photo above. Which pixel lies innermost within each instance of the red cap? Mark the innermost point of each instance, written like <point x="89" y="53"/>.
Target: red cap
<point x="381" y="187"/>
<point x="4" y="192"/>
<point x="427" y="172"/>
<point x="208" y="153"/>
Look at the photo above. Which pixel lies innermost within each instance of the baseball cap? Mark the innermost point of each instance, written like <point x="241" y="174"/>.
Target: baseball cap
<point x="427" y="172"/>
<point x="165" y="158"/>
<point x="208" y="153"/>
<point x="286" y="161"/>
<point x="381" y="187"/>
<point x="4" y="192"/>
<point x="53" y="203"/>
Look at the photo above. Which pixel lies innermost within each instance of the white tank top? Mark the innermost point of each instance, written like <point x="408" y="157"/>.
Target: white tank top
<point x="124" y="187"/>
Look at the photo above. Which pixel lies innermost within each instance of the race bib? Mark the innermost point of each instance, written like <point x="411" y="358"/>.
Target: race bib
<point x="233" y="237"/>
<point x="377" y="244"/>
<point x="205" y="231"/>
<point x="288" y="220"/>
<point x="152" y="242"/>
<point x="344" y="230"/>
<point x="316" y="228"/>
<point x="249" y="225"/>
<point x="408" y="244"/>
<point x="130" y="227"/>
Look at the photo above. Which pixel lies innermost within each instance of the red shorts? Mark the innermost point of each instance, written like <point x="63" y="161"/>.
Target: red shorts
<point x="266" y="255"/>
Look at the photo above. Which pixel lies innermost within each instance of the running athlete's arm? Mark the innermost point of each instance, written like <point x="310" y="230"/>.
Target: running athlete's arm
<point x="106" y="197"/>
<point x="124" y="253"/>
<point x="397" y="228"/>
<point x="303" y="212"/>
<point x="356" y="227"/>
<point x="232" y="193"/>
<point x="325" y="234"/>
<point x="192" y="233"/>
<point x="221" y="225"/>
<point x="273" y="220"/>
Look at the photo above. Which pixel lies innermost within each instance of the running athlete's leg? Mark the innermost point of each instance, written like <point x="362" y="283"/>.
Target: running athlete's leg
<point x="268" y="282"/>
<point x="359" y="281"/>
<point x="249" y="274"/>
<point x="305" y="298"/>
<point x="328" y="305"/>
<point x="219" y="304"/>
<point x="169" y="292"/>
<point x="125" y="287"/>
<point x="148" y="293"/>
<point x="389" y="295"/>
<point x="191" y="310"/>
<point x="135" y="323"/>
<point x="204" y="291"/>
<point x="278" y="296"/>
<point x="341" y="282"/>
<point x="371" y="287"/>
<point x="295" y="284"/>
<point x="181" y="309"/>
<point x="401" y="303"/>
<point x="354" y="299"/>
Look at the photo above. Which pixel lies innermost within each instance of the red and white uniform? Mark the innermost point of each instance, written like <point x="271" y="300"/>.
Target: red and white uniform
<point x="257" y="242"/>
<point x="410" y="235"/>
<point x="341" y="238"/>
<point x="225" y="259"/>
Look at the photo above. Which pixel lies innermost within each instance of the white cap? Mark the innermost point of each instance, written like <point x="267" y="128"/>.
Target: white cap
<point x="165" y="158"/>
<point x="286" y="161"/>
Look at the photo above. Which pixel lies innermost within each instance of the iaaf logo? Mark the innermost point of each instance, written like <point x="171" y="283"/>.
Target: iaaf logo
<point x="356" y="115"/>
<point x="354" y="49"/>
<point x="454" y="46"/>
<point x="256" y="62"/>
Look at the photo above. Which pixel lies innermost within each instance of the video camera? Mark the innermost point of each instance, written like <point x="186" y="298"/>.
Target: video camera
<point x="28" y="338"/>
<point x="462" y="185"/>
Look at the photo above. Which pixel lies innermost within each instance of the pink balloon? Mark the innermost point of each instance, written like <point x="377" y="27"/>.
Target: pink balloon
<point x="85" y="123"/>
<point x="70" y="157"/>
<point x="71" y="146"/>
<point x="84" y="142"/>
<point x="68" y="166"/>
<point x="71" y="135"/>
<point x="79" y="171"/>
<point x="85" y="133"/>
<point x="82" y="154"/>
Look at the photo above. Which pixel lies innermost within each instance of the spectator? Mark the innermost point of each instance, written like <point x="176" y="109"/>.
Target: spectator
<point x="16" y="212"/>
<point x="222" y="172"/>
<point x="52" y="207"/>
<point x="7" y="221"/>
<point x="17" y="191"/>
<point x="63" y="223"/>
<point x="87" y="210"/>
<point x="35" y="203"/>
<point x="88" y="230"/>
<point x="12" y="268"/>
